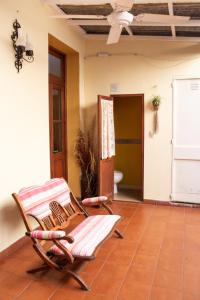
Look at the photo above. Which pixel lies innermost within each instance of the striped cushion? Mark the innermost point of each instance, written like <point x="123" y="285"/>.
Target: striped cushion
<point x="94" y="200"/>
<point x="47" y="235"/>
<point x="88" y="235"/>
<point x="35" y="199"/>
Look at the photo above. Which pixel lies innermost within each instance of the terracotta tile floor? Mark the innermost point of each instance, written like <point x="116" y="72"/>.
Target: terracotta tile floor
<point x="159" y="259"/>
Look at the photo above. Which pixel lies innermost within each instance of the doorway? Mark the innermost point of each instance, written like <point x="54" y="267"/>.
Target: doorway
<point x="129" y="143"/>
<point x="57" y="114"/>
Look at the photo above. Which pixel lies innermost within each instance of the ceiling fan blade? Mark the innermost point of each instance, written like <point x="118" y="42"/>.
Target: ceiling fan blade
<point x="128" y="29"/>
<point x="90" y="17"/>
<point x="76" y="2"/>
<point x="114" y="34"/>
<point x="122" y="5"/>
<point x="156" y="18"/>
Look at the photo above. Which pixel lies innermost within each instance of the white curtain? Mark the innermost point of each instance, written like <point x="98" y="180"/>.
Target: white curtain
<point x="108" y="132"/>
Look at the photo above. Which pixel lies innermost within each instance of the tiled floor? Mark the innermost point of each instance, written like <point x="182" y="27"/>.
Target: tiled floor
<point x="128" y="195"/>
<point x="159" y="259"/>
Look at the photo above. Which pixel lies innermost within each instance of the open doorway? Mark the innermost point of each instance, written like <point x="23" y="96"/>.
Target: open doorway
<point x="129" y="141"/>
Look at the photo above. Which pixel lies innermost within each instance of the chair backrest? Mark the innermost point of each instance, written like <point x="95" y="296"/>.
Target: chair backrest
<point x="34" y="201"/>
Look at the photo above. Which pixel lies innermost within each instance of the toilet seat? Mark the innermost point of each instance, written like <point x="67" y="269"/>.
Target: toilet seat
<point x="118" y="176"/>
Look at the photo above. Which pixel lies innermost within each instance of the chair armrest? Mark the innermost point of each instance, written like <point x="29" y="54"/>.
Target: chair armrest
<point x="49" y="235"/>
<point x="94" y="201"/>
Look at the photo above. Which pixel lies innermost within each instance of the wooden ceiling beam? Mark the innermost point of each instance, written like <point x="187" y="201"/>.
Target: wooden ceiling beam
<point x="143" y="37"/>
<point x="164" y="1"/>
<point x="60" y="12"/>
<point x="192" y="23"/>
<point x="171" y="13"/>
<point x="96" y="2"/>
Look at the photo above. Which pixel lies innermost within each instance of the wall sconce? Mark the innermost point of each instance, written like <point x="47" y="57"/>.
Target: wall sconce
<point x="22" y="46"/>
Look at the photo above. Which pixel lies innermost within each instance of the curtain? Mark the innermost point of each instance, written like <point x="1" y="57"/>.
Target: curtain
<point x="108" y="132"/>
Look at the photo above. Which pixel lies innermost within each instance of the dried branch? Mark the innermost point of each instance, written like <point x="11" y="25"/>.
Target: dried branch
<point x="85" y="158"/>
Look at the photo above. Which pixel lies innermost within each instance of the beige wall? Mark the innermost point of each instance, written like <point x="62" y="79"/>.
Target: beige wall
<point x="148" y="67"/>
<point x="24" y="115"/>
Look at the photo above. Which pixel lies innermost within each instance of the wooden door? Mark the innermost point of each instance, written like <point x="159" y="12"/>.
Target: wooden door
<point x="186" y="141"/>
<point x="106" y="165"/>
<point x="57" y="116"/>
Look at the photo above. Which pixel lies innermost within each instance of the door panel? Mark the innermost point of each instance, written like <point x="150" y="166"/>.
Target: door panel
<point x="57" y="130"/>
<point x="59" y="168"/>
<point x="106" y="165"/>
<point x="107" y="177"/>
<point x="186" y="141"/>
<point x="57" y="115"/>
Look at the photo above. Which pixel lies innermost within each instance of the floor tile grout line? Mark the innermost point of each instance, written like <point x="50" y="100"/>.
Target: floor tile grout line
<point x="21" y="276"/>
<point x="183" y="265"/>
<point x="134" y="213"/>
<point x="57" y="287"/>
<point x="24" y="289"/>
<point x="156" y="266"/>
<point x="108" y="255"/>
<point x="149" y="219"/>
<point x="69" y="277"/>
<point x="117" y="297"/>
<point x="158" y="259"/>
<point x="92" y="280"/>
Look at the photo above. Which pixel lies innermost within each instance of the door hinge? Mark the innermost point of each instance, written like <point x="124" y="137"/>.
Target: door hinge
<point x="172" y="141"/>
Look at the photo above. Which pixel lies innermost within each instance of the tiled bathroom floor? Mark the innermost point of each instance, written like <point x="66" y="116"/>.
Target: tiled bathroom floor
<point x="128" y="195"/>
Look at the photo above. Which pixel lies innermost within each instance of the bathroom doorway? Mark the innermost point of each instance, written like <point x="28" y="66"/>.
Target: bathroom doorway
<point x="129" y="140"/>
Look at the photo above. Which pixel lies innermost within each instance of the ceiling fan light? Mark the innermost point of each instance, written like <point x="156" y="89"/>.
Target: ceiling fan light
<point x="123" y="18"/>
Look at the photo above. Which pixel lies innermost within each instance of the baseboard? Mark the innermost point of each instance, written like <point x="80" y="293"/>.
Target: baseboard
<point x="14" y="247"/>
<point x="156" y="202"/>
<point x="170" y="203"/>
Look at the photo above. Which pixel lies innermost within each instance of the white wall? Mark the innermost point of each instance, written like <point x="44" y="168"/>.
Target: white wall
<point x="24" y="112"/>
<point x="143" y="67"/>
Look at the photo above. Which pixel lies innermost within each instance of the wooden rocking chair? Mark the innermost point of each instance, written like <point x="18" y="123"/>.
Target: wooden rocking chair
<point x="54" y="207"/>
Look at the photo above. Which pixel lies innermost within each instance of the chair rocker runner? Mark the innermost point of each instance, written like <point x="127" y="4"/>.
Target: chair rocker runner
<point x="58" y="244"/>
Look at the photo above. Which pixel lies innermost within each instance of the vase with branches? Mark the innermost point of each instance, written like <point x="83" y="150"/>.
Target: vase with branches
<point x="85" y="157"/>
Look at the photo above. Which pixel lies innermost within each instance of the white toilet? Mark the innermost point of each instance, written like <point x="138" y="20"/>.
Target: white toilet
<point x="118" y="176"/>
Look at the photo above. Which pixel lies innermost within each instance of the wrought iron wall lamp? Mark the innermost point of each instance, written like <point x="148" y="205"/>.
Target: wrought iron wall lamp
<point x="22" y="46"/>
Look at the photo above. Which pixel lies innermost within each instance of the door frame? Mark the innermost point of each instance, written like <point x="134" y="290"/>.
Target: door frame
<point x="142" y="131"/>
<point x="62" y="82"/>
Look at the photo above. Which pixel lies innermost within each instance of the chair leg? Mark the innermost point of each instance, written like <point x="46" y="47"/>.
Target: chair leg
<point x="119" y="234"/>
<point x="83" y="285"/>
<point x="39" y="269"/>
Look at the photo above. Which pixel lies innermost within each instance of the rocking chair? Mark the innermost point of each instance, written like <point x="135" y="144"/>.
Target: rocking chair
<point x="60" y="246"/>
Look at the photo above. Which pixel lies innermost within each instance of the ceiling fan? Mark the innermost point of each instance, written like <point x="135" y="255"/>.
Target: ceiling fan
<point x="120" y="17"/>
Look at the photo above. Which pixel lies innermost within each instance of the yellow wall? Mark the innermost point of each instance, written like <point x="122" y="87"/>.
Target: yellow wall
<point x="143" y="66"/>
<point x="127" y="115"/>
<point x="24" y="113"/>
